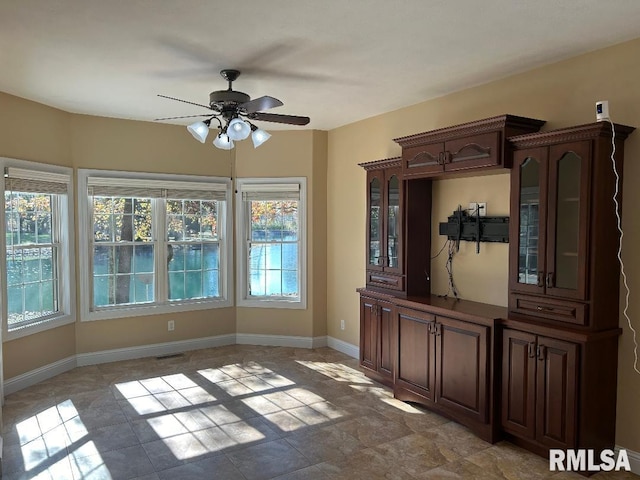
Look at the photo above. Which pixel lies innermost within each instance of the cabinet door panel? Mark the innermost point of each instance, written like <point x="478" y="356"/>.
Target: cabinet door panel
<point x="415" y="368"/>
<point x="568" y="219"/>
<point x="375" y="220"/>
<point x="463" y="367"/>
<point x="556" y="393"/>
<point x="528" y="221"/>
<point x="518" y="383"/>
<point x="422" y="160"/>
<point x="473" y="152"/>
<point x="393" y="220"/>
<point x="368" y="333"/>
<point x="385" y="347"/>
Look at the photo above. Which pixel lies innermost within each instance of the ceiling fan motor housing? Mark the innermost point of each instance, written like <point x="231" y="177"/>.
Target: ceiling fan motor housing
<point x="227" y="97"/>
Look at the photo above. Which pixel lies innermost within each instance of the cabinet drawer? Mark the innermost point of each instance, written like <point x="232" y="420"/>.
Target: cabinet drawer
<point x="561" y="310"/>
<point x="382" y="280"/>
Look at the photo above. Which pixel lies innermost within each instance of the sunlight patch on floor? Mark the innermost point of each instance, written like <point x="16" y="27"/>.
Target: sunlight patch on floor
<point x="53" y="444"/>
<point x="337" y="371"/>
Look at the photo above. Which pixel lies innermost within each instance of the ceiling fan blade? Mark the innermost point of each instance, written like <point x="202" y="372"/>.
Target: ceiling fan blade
<point x="186" y="101"/>
<point x="184" y="116"/>
<point x="262" y="103"/>
<point x="274" y="117"/>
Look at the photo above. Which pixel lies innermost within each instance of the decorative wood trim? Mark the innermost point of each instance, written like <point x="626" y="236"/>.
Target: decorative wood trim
<point x="422" y="159"/>
<point x="380" y="164"/>
<point x="471" y="128"/>
<point x="579" y="132"/>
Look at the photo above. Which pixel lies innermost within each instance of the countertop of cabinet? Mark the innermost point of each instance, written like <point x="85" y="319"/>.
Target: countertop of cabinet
<point x="447" y="306"/>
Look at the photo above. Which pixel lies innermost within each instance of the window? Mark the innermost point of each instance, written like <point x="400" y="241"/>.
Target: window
<point x="155" y="243"/>
<point x="38" y="255"/>
<point x="272" y="243"/>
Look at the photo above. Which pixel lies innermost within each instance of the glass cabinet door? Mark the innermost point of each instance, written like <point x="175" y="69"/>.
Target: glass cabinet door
<point x="528" y="207"/>
<point x="568" y="216"/>
<point x="393" y="221"/>
<point x="529" y="247"/>
<point x="375" y="221"/>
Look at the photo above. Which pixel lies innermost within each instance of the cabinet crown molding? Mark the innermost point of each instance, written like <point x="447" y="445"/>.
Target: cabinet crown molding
<point x="384" y="163"/>
<point x="490" y="124"/>
<point x="579" y="132"/>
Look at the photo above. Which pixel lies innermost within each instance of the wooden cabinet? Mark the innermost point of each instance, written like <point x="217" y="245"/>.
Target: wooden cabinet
<point x="377" y="353"/>
<point x="562" y="186"/>
<point x="474" y="145"/>
<point x="541" y="373"/>
<point x="539" y="388"/>
<point x="444" y="361"/>
<point x="384" y="221"/>
<point x="398" y="227"/>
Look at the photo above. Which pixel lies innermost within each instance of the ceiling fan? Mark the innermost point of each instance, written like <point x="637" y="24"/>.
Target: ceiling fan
<point x="234" y="111"/>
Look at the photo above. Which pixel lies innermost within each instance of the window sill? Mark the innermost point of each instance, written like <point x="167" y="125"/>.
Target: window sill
<point x="140" y="311"/>
<point x="39" y="327"/>
<point x="265" y="303"/>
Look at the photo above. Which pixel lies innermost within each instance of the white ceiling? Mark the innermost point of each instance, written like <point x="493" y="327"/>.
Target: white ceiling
<point x="335" y="61"/>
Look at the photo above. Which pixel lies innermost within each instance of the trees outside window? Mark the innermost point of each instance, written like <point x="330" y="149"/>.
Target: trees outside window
<point x="158" y="244"/>
<point x="38" y="261"/>
<point x="272" y="242"/>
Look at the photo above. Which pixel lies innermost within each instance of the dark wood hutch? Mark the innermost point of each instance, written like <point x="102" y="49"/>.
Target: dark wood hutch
<point x="542" y="371"/>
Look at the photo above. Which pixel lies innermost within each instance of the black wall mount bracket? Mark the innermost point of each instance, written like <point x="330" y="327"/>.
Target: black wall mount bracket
<point x="474" y="228"/>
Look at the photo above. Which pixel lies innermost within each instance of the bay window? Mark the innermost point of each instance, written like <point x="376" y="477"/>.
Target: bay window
<point x="156" y="243"/>
<point x="38" y="261"/>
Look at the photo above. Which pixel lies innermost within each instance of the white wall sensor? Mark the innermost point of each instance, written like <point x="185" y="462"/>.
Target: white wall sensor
<point x="602" y="110"/>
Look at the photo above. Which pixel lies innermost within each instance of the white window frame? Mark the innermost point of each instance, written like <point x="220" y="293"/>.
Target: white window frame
<point x="242" y="235"/>
<point x="161" y="305"/>
<point x="63" y="209"/>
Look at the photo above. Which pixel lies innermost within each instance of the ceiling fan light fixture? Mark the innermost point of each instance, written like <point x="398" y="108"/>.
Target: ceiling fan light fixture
<point x="259" y="136"/>
<point x="200" y="130"/>
<point x="238" y="129"/>
<point x="223" y="141"/>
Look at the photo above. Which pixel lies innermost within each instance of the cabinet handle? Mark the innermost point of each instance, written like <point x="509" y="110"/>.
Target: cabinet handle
<point x="545" y="308"/>
<point x="446" y="158"/>
<point x="550" y="280"/>
<point x="541" y="279"/>
<point x="532" y="349"/>
<point x="541" y="352"/>
<point x="440" y="158"/>
<point x="438" y="329"/>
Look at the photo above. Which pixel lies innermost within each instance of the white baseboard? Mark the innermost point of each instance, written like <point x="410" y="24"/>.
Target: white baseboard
<point x="344" y="347"/>
<point x="153" y="350"/>
<point x="275" y="340"/>
<point x="634" y="459"/>
<point x="45" y="372"/>
<point x="39" y="374"/>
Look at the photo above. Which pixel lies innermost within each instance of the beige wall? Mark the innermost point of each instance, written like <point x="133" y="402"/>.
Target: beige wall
<point x="293" y="154"/>
<point x="35" y="132"/>
<point x="564" y="94"/>
<point x="30" y="131"/>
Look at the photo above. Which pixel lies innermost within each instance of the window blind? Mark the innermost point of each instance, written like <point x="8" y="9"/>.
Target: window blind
<point x="34" y="181"/>
<point x="127" y="187"/>
<point x="270" y="191"/>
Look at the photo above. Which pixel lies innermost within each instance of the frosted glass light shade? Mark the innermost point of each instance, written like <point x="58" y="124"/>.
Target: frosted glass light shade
<point x="199" y="130"/>
<point x="259" y="136"/>
<point x="223" y="142"/>
<point x="238" y="129"/>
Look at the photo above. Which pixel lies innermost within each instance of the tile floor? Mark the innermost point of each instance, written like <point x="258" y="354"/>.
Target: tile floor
<point x="242" y="412"/>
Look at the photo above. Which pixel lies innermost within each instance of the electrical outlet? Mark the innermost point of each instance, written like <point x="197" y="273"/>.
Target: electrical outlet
<point x="171" y="325"/>
<point x="341" y="324"/>
<point x="476" y="208"/>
